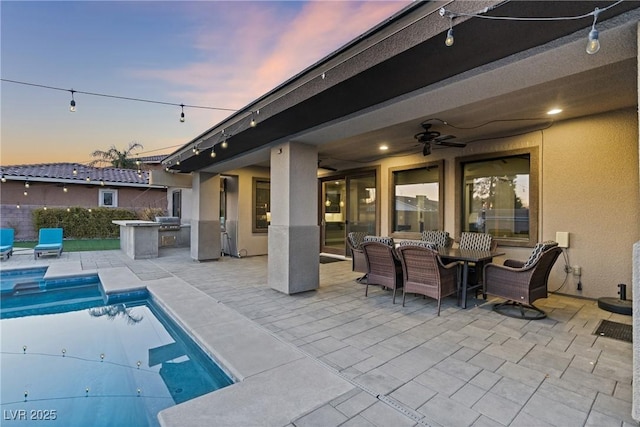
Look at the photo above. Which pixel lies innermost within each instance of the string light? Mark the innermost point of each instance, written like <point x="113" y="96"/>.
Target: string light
<point x="593" y="44"/>
<point x="182" y="113"/>
<point x="449" y="40"/>
<point x="213" y="152"/>
<point x="17" y="205"/>
<point x="253" y="122"/>
<point x="178" y="161"/>
<point x="26" y="184"/>
<point x="72" y="104"/>
<point x="65" y="189"/>
<point x="3" y="179"/>
<point x="75" y="172"/>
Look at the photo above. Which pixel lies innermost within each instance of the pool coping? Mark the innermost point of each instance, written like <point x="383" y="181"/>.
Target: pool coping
<point x="275" y="382"/>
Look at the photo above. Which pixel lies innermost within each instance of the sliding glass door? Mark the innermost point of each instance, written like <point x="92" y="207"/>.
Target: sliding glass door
<point x="348" y="203"/>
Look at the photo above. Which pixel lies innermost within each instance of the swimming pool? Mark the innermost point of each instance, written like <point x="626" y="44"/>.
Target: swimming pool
<point x="70" y="360"/>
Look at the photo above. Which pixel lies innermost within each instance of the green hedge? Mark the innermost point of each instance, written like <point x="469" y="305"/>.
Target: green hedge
<point x="82" y="223"/>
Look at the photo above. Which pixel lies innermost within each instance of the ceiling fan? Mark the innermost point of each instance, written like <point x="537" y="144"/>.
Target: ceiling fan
<point x="429" y="137"/>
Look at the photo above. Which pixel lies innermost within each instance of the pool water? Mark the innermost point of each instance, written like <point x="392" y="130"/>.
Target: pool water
<point x="69" y="360"/>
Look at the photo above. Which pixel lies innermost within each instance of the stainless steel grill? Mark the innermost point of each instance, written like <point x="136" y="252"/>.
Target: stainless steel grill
<point x="168" y="222"/>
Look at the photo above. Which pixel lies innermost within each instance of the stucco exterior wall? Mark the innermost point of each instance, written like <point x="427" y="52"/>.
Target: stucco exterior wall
<point x="588" y="187"/>
<point x="240" y="208"/>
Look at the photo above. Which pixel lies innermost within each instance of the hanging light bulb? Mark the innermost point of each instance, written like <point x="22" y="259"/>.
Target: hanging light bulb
<point x="26" y="184"/>
<point x="72" y="104"/>
<point x="3" y="179"/>
<point x="253" y="122"/>
<point x="44" y="207"/>
<point x="182" y="113"/>
<point x="102" y="182"/>
<point x="17" y="205"/>
<point x="224" y="143"/>
<point x="178" y="161"/>
<point x="593" y="45"/>
<point x="75" y="171"/>
<point x="88" y="179"/>
<point x="65" y="189"/>
<point x="449" y="40"/>
<point x="197" y="151"/>
<point x="26" y="193"/>
<point x="213" y="152"/>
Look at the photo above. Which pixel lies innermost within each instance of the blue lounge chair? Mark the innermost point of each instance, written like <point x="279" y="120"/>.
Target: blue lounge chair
<point x="6" y="242"/>
<point x="49" y="242"/>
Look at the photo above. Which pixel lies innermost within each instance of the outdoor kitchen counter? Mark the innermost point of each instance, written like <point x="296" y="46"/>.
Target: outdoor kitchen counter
<point x="139" y="239"/>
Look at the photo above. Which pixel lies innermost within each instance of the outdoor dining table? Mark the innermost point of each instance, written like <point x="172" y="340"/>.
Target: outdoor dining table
<point x="466" y="256"/>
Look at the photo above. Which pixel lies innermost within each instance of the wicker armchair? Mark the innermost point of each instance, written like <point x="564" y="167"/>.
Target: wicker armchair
<point x="358" y="261"/>
<point x="522" y="283"/>
<point x="425" y="274"/>
<point x="383" y="265"/>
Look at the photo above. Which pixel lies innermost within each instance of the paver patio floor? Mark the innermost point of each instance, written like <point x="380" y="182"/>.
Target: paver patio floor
<point x="470" y="367"/>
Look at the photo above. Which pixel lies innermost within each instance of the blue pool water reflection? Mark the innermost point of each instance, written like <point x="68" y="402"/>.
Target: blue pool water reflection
<point x="88" y="364"/>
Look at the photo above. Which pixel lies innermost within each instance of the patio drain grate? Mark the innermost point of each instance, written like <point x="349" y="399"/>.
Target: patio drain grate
<point x="328" y="259"/>
<point x="615" y="330"/>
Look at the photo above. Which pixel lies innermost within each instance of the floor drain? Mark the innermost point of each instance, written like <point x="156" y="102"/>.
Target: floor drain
<point x="615" y="330"/>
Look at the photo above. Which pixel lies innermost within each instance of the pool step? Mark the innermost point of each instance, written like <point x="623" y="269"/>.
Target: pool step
<point x="119" y="284"/>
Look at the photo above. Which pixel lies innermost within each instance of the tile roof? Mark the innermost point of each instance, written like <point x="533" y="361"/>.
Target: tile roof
<point x="64" y="172"/>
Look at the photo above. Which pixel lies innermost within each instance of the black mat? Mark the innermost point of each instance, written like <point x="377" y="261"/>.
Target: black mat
<point x="328" y="259"/>
<point x="615" y="330"/>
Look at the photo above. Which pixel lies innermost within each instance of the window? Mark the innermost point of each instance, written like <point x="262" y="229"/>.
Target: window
<point x="499" y="196"/>
<point x="261" y="205"/>
<point x="108" y="198"/>
<point x="416" y="194"/>
<point x="176" y="203"/>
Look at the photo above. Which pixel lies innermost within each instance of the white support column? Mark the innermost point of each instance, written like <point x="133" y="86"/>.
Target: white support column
<point x="294" y="234"/>
<point x="205" y="222"/>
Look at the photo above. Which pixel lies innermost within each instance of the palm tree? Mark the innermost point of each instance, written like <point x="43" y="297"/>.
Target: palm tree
<point x="116" y="158"/>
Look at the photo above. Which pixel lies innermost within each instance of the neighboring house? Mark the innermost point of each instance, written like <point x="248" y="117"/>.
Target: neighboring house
<point x="61" y="185"/>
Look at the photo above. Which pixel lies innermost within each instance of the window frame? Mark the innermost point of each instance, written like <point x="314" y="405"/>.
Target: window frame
<point x="392" y="194"/>
<point x="254" y="205"/>
<point x="104" y="191"/>
<point x="534" y="196"/>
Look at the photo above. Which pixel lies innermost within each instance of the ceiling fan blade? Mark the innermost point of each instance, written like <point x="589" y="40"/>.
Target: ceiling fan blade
<point x="451" y="144"/>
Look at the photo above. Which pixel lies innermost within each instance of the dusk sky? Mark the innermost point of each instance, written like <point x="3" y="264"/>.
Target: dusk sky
<point x="221" y="54"/>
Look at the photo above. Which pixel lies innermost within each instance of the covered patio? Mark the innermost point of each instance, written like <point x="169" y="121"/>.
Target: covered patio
<point x="395" y="366"/>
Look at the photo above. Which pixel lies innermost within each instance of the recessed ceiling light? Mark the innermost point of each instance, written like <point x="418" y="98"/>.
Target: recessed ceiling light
<point x="384" y="147"/>
<point x="554" y="111"/>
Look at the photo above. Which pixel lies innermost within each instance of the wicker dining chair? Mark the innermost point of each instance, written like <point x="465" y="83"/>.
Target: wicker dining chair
<point x="358" y="261"/>
<point x="439" y="237"/>
<point x="521" y="283"/>
<point x="424" y="273"/>
<point x="476" y="242"/>
<point x="383" y="265"/>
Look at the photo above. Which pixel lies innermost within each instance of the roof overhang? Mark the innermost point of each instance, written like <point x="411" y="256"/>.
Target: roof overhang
<point x="400" y="57"/>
